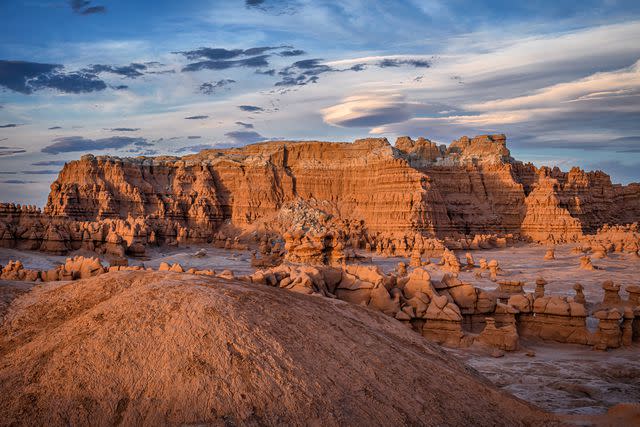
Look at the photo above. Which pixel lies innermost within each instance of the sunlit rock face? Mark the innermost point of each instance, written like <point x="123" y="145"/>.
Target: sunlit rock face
<point x="473" y="186"/>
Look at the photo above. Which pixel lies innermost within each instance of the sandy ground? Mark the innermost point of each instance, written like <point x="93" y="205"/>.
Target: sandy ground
<point x="568" y="379"/>
<point x="216" y="259"/>
<point x="561" y="378"/>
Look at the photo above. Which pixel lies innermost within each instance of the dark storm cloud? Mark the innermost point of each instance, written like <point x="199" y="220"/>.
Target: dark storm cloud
<point x="209" y="88"/>
<point x="50" y="163"/>
<point x="78" y="143"/>
<point x="244" y="136"/>
<point x="9" y="125"/>
<point x="418" y="63"/>
<point x="27" y="77"/>
<point x="132" y="70"/>
<point x="245" y="125"/>
<point x="83" y="7"/>
<point x="196" y="117"/>
<point x="253" y="62"/>
<point x="250" y="108"/>
<point x="124" y="129"/>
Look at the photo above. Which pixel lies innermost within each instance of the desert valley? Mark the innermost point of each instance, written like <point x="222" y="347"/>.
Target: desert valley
<point x="319" y="213"/>
<point x="529" y="275"/>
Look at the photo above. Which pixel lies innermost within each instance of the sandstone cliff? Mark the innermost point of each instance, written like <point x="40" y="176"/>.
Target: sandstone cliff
<point x="473" y="187"/>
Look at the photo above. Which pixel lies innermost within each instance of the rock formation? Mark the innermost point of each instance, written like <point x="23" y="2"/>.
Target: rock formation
<point x="469" y="195"/>
<point x="448" y="311"/>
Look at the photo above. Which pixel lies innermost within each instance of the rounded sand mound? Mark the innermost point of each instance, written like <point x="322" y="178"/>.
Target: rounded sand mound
<point x="162" y="348"/>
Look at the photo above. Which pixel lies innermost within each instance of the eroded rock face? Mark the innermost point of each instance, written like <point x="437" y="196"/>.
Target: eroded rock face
<point x="74" y="268"/>
<point x="470" y="194"/>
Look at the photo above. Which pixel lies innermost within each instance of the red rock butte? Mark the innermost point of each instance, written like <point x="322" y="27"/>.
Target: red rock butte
<point x="472" y="187"/>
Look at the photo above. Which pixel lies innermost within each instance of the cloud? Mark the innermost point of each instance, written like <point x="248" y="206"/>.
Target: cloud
<point x="124" y="129"/>
<point x="132" y="70"/>
<point x="195" y="148"/>
<point x="418" y="63"/>
<point x="293" y="52"/>
<point x="50" y="163"/>
<point x="368" y="110"/>
<point x="244" y="137"/>
<point x="216" y="54"/>
<point x="10" y="151"/>
<point x="42" y="172"/>
<point x="626" y="144"/>
<point x="221" y="59"/>
<point x="271" y="72"/>
<point x="251" y="108"/>
<point x="83" y="7"/>
<point x="17" y="181"/>
<point x="253" y="62"/>
<point x="27" y="77"/>
<point x="301" y="73"/>
<point x="77" y="143"/>
<point x="209" y="88"/>
<point x="69" y="83"/>
<point x="245" y="125"/>
<point x="121" y="87"/>
<point x="619" y="171"/>
<point x="9" y="125"/>
<point x="194" y="137"/>
<point x="196" y="117"/>
<point x="15" y="74"/>
<point x="276" y="7"/>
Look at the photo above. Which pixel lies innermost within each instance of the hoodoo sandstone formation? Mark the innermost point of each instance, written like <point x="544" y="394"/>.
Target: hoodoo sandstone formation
<point x="389" y="198"/>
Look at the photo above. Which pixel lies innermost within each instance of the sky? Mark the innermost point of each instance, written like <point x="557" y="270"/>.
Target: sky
<point x="560" y="78"/>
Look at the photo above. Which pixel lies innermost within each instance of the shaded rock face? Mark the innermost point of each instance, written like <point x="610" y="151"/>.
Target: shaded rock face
<point x="473" y="187"/>
<point x="173" y="349"/>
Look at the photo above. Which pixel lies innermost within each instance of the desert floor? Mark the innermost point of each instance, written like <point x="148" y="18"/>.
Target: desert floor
<point x="569" y="379"/>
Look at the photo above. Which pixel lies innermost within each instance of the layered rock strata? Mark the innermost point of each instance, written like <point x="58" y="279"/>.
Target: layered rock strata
<point x="469" y="195"/>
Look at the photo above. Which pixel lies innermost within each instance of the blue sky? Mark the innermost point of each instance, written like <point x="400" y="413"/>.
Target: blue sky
<point x="561" y="79"/>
